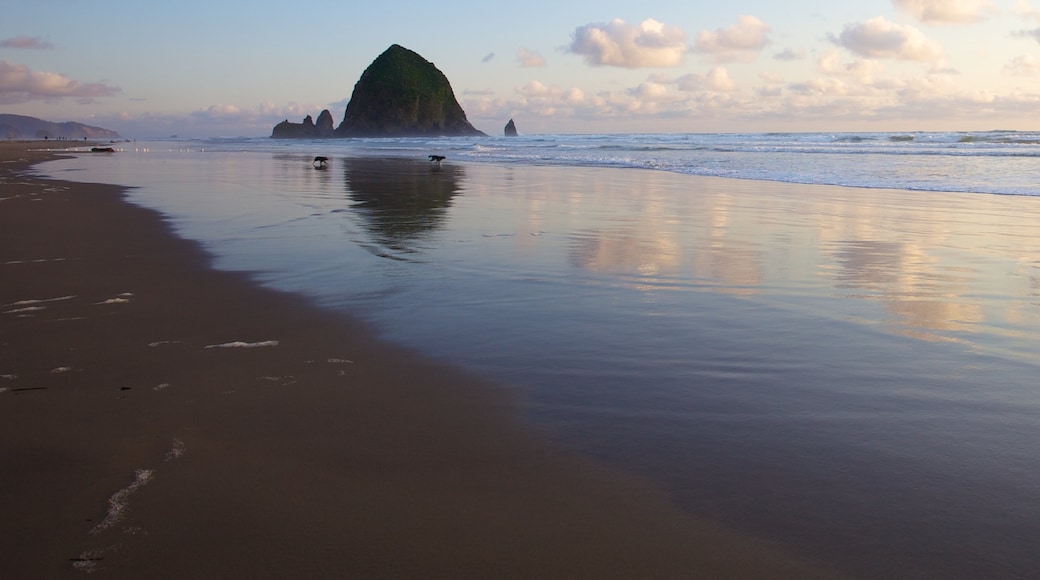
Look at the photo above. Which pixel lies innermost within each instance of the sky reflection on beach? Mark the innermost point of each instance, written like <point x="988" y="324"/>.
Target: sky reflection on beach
<point x="851" y="371"/>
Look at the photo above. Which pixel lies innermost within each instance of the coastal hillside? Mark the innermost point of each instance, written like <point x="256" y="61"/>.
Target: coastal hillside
<point x="23" y="127"/>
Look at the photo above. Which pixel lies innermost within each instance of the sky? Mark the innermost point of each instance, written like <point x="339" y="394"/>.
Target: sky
<point x="231" y="68"/>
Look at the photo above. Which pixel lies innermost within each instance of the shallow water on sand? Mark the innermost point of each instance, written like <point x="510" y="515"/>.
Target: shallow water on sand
<point x="848" y="372"/>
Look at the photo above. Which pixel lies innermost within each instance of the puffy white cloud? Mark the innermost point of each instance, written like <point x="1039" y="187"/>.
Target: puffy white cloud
<point x="1025" y="65"/>
<point x="717" y="79"/>
<point x="947" y="11"/>
<point x="529" y="59"/>
<point x="879" y="38"/>
<point x="740" y="42"/>
<point x="863" y="71"/>
<point x="20" y="84"/>
<point x="618" y="43"/>
<point x="30" y="42"/>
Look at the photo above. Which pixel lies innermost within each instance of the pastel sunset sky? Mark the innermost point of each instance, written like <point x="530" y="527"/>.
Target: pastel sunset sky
<point x="230" y="68"/>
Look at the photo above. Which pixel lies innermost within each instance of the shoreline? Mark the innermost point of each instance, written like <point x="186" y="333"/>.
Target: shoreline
<point x="163" y="419"/>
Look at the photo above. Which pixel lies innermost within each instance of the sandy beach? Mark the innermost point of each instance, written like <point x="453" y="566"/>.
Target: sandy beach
<point x="160" y="419"/>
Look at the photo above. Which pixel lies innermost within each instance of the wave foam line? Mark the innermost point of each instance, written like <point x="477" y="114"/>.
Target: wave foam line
<point x="240" y="344"/>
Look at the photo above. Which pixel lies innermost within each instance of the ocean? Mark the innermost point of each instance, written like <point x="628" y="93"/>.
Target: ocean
<point x="827" y="341"/>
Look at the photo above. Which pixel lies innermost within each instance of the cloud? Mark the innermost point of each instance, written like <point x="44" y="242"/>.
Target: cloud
<point x="863" y="71"/>
<point x="947" y="11"/>
<point x="717" y="79"/>
<point x="1034" y="34"/>
<point x="529" y="59"/>
<point x="788" y="54"/>
<point x="1025" y="10"/>
<point x="19" y="84"/>
<point x="212" y="121"/>
<point x="30" y="42"/>
<point x="879" y="38"/>
<point x="1025" y="65"/>
<point x="620" y="44"/>
<point x="739" y="42"/>
<point x="488" y="57"/>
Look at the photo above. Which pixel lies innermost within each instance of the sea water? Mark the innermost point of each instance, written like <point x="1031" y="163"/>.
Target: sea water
<point x="849" y="372"/>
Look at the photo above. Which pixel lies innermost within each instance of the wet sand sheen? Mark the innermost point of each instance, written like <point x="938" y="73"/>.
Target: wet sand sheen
<point x="161" y="419"/>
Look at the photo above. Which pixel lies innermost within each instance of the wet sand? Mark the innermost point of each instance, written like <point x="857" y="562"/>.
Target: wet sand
<point x="160" y="419"/>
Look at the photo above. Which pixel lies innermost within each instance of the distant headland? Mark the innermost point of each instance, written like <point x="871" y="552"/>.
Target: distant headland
<point x="400" y="94"/>
<point x="23" y="127"/>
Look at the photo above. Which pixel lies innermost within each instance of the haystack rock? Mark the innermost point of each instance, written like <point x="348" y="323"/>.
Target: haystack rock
<point x="510" y="129"/>
<point x="402" y="94"/>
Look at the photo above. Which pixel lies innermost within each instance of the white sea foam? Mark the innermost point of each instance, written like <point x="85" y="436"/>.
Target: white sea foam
<point x="341" y="361"/>
<point x="9" y="377"/>
<point x="118" y="503"/>
<point x="38" y="261"/>
<point x="160" y="386"/>
<point x="26" y="309"/>
<point x="87" y="561"/>
<point x="40" y="301"/>
<point x="3" y="389"/>
<point x="114" y="301"/>
<point x="58" y="370"/>
<point x="176" y="451"/>
<point x="162" y="342"/>
<point x="240" y="344"/>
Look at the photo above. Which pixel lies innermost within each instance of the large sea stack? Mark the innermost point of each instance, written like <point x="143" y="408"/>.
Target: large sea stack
<point x="402" y="94"/>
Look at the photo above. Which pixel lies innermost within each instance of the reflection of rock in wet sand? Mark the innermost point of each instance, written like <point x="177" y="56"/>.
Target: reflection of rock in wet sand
<point x="401" y="199"/>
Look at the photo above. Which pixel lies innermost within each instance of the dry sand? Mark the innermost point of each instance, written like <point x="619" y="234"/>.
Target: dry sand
<point x="159" y="419"/>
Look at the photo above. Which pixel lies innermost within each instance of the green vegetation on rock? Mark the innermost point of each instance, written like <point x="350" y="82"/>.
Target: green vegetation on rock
<point x="403" y="94"/>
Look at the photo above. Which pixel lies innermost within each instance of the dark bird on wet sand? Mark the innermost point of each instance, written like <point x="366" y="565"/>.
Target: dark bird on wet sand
<point x="321" y="162"/>
<point x="436" y="159"/>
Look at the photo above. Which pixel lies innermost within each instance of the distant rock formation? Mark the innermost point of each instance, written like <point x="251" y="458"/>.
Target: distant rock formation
<point x="324" y="125"/>
<point x="305" y="130"/>
<point x="402" y="94"/>
<point x="22" y="127"/>
<point x="510" y="129"/>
